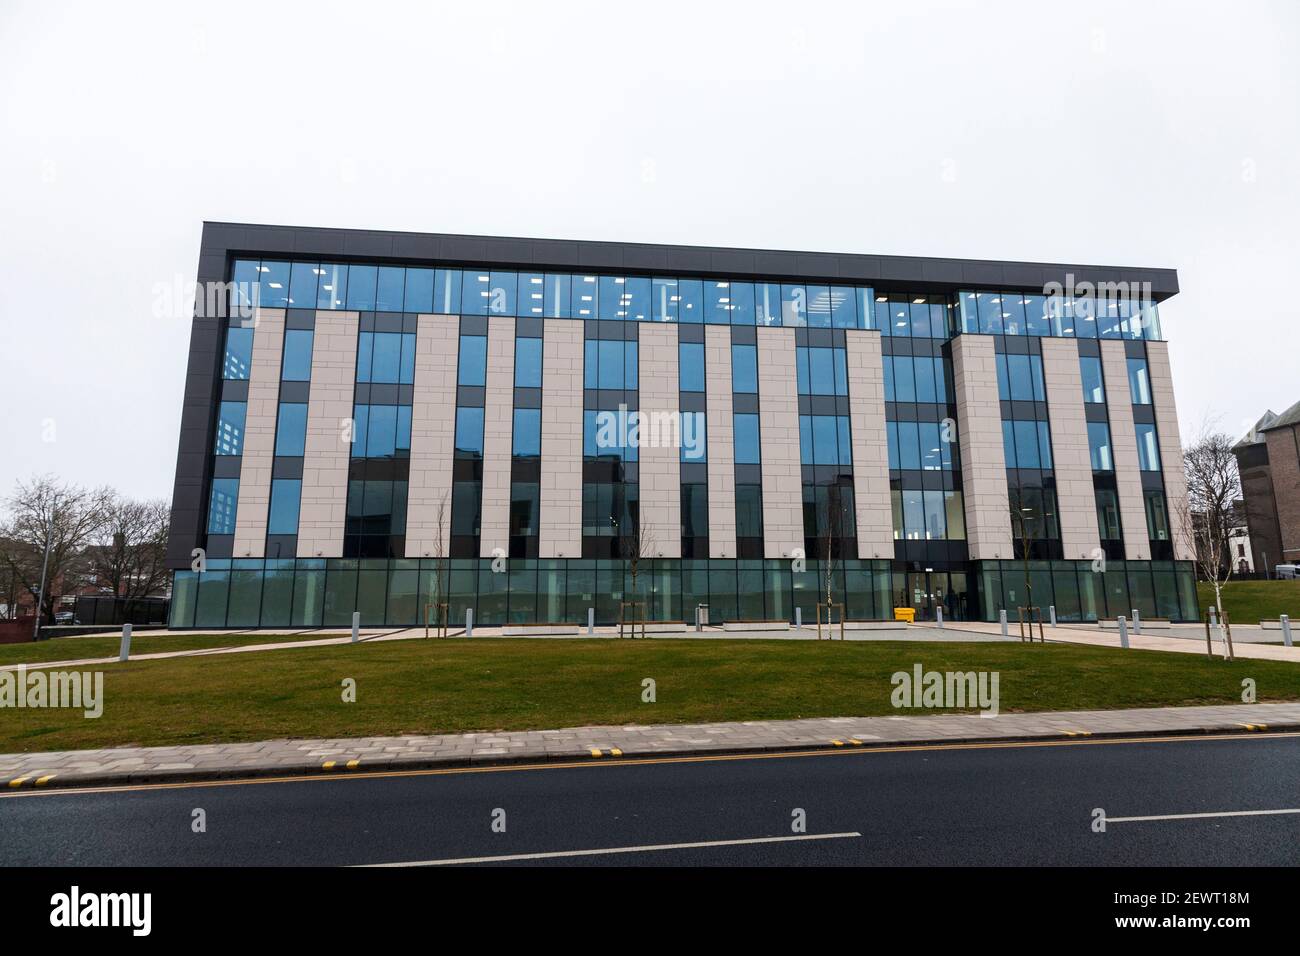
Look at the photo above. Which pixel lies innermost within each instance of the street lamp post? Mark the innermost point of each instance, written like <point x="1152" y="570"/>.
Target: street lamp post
<point x="40" y="595"/>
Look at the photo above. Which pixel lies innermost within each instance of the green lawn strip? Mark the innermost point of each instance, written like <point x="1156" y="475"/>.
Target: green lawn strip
<point x="456" y="686"/>
<point x="1249" y="602"/>
<point x="81" y="648"/>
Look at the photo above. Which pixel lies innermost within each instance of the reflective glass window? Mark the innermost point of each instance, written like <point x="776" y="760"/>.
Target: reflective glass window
<point x="230" y="428"/>
<point x="291" y="429"/>
<point x="238" y="360"/>
<point x="664" y="295"/>
<point x="528" y="363"/>
<point x="332" y="286"/>
<point x="527" y="440"/>
<point x="1148" y="449"/>
<point x="222" y="504"/>
<point x="295" y="366"/>
<point x="746" y="439"/>
<point x="390" y="289"/>
<point x="585" y="294"/>
<point x="274" y="287"/>
<point x="558" y="292"/>
<point x="471" y="368"/>
<point x="361" y="288"/>
<point x="469" y="433"/>
<point x="844" y="307"/>
<point x="418" y="294"/>
<point x="819" y="306"/>
<point x="690" y="366"/>
<point x="794" y="305"/>
<point x="532" y="294"/>
<point x="614" y="298"/>
<point x="694" y="440"/>
<point x="475" y="291"/>
<point x="302" y="285"/>
<point x="446" y="291"/>
<point x="1094" y="389"/>
<point x="504" y="287"/>
<point x="742" y="303"/>
<point x="744" y="368"/>
<point x="285" y="497"/>
<point x="767" y="303"/>
<point x="1099" y="446"/>
<point x="1139" y="381"/>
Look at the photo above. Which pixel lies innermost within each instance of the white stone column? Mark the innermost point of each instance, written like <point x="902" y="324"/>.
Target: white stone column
<point x="659" y="467"/>
<point x="874" y="513"/>
<point x="778" y="398"/>
<point x="560" y="531"/>
<point x="433" y="436"/>
<point x="323" y="515"/>
<point x="498" y="435"/>
<point x="1123" y="441"/>
<point x="1076" y="502"/>
<point x="721" y="442"/>
<point x="983" y="462"/>
<point x="259" y="434"/>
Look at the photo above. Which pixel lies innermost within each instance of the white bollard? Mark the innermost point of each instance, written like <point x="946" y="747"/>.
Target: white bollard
<point x="469" y="622"/>
<point x="1002" y="619"/>
<point x="126" y="642"/>
<point x="591" y="621"/>
<point x="1214" y="617"/>
<point x="798" y="619"/>
<point x="938" y="616"/>
<point x="1137" y="622"/>
<point x="1123" y="631"/>
<point x="1051" y="612"/>
<point x="1286" y="630"/>
<point x="356" y="626"/>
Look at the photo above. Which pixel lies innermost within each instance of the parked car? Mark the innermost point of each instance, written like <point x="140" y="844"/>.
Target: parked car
<point x="1287" y="571"/>
<point x="64" y="617"/>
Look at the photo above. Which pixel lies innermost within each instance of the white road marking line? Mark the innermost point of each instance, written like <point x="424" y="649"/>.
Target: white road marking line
<point x="1200" y="816"/>
<point x="617" y="849"/>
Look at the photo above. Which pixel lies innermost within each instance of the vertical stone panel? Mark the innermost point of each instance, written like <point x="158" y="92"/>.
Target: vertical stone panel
<point x="778" y="398"/>
<point x="870" y="446"/>
<point x="659" y="467"/>
<point x="560" y="531"/>
<point x="1123" y="442"/>
<point x="433" y="436"/>
<point x="1171" y="447"/>
<point x="1075" y="499"/>
<point x="498" y="435"/>
<point x="983" y="462"/>
<point x="721" y="442"/>
<point x="259" y="435"/>
<point x="328" y="448"/>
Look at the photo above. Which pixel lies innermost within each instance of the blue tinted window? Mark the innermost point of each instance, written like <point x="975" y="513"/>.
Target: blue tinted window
<point x="332" y="287"/>
<point x="844" y="302"/>
<point x="891" y="440"/>
<point x="471" y="368"/>
<point x="909" y="448"/>
<point x="476" y="291"/>
<point x="904" y="379"/>
<point x="794" y="305"/>
<point x="222" y="504"/>
<point x="291" y="430"/>
<point x="1009" y="442"/>
<point x="767" y="303"/>
<point x="532" y="294"/>
<point x="694" y="440"/>
<point x="381" y="437"/>
<point x="469" y="432"/>
<point x="296" y="364"/>
<point x="418" y="296"/>
<point x="1094" y="391"/>
<point x="527" y="441"/>
<point x="805" y="439"/>
<point x="690" y="305"/>
<point x="274" y="288"/>
<point x="1044" y="444"/>
<point x="605" y="434"/>
<point x="664" y="294"/>
<point x="365" y="355"/>
<point x="1099" y="446"/>
<point x="404" y="427"/>
<point x="238" y="361"/>
<point x="558" y="296"/>
<point x="285" y="497"/>
<point x="245" y="276"/>
<point x="887" y="367"/>
<point x="528" y="363"/>
<point x="407" y="373"/>
<point x="360" y="425"/>
<point x="1148" y="450"/>
<point x="390" y="289"/>
<point x="819" y="306"/>
<point x="989" y="305"/>
<point x="845" y="436"/>
<point x="637" y="292"/>
<point x="611" y="364"/>
<point x="230" y="428"/>
<point x="931" y="448"/>
<point x="742" y="303"/>
<point x="1027" y="450"/>
<point x="387" y="361"/>
<point x="926" y="391"/>
<point x="504" y="286"/>
<point x="1139" y="381"/>
<point x="717" y="302"/>
<point x="361" y="288"/>
<point x="586" y="292"/>
<point x="825" y="440"/>
<point x="446" y="291"/>
<point x="821" y="371"/>
<point x="802" y="382"/>
<point x="302" y="285"/>
<point x="613" y="298"/>
<point x="746" y="439"/>
<point x="691" y="367"/>
<point x="744" y="368"/>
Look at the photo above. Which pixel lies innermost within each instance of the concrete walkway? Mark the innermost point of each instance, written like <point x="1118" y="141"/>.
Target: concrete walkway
<point x="126" y="765"/>
<point x="1177" y="639"/>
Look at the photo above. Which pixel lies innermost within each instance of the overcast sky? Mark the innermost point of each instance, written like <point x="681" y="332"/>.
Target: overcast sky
<point x="1147" y="134"/>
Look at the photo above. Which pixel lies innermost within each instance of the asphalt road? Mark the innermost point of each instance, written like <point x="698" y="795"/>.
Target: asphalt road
<point x="984" y="805"/>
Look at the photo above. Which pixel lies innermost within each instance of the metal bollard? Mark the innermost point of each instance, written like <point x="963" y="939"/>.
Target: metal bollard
<point x="1286" y="630"/>
<point x="356" y="626"/>
<point x="591" y="621"/>
<point x="1137" y="622"/>
<point x="798" y="619"/>
<point x="469" y="622"/>
<point x="1123" y="631"/>
<point x="1214" y="617"/>
<point x="938" y="616"/>
<point x="1051" y="611"/>
<point x="126" y="642"/>
<point x="1002" y="619"/>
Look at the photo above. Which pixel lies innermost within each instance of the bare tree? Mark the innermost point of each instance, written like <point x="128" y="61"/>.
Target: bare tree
<point x="1022" y="514"/>
<point x="1209" y="514"/>
<point x="438" y="587"/>
<point x="128" y="556"/>
<point x="46" y="515"/>
<point x="636" y="542"/>
<point x="832" y="529"/>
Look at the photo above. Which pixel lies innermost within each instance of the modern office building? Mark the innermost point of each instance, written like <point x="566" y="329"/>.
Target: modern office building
<point x="385" y="422"/>
<point x="1268" y="459"/>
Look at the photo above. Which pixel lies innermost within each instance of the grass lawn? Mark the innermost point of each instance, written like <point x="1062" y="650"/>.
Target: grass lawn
<point x="463" y="685"/>
<point x="81" y="648"/>
<point x="1249" y="602"/>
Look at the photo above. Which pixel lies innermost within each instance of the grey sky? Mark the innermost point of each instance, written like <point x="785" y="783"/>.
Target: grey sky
<point x="1123" y="133"/>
